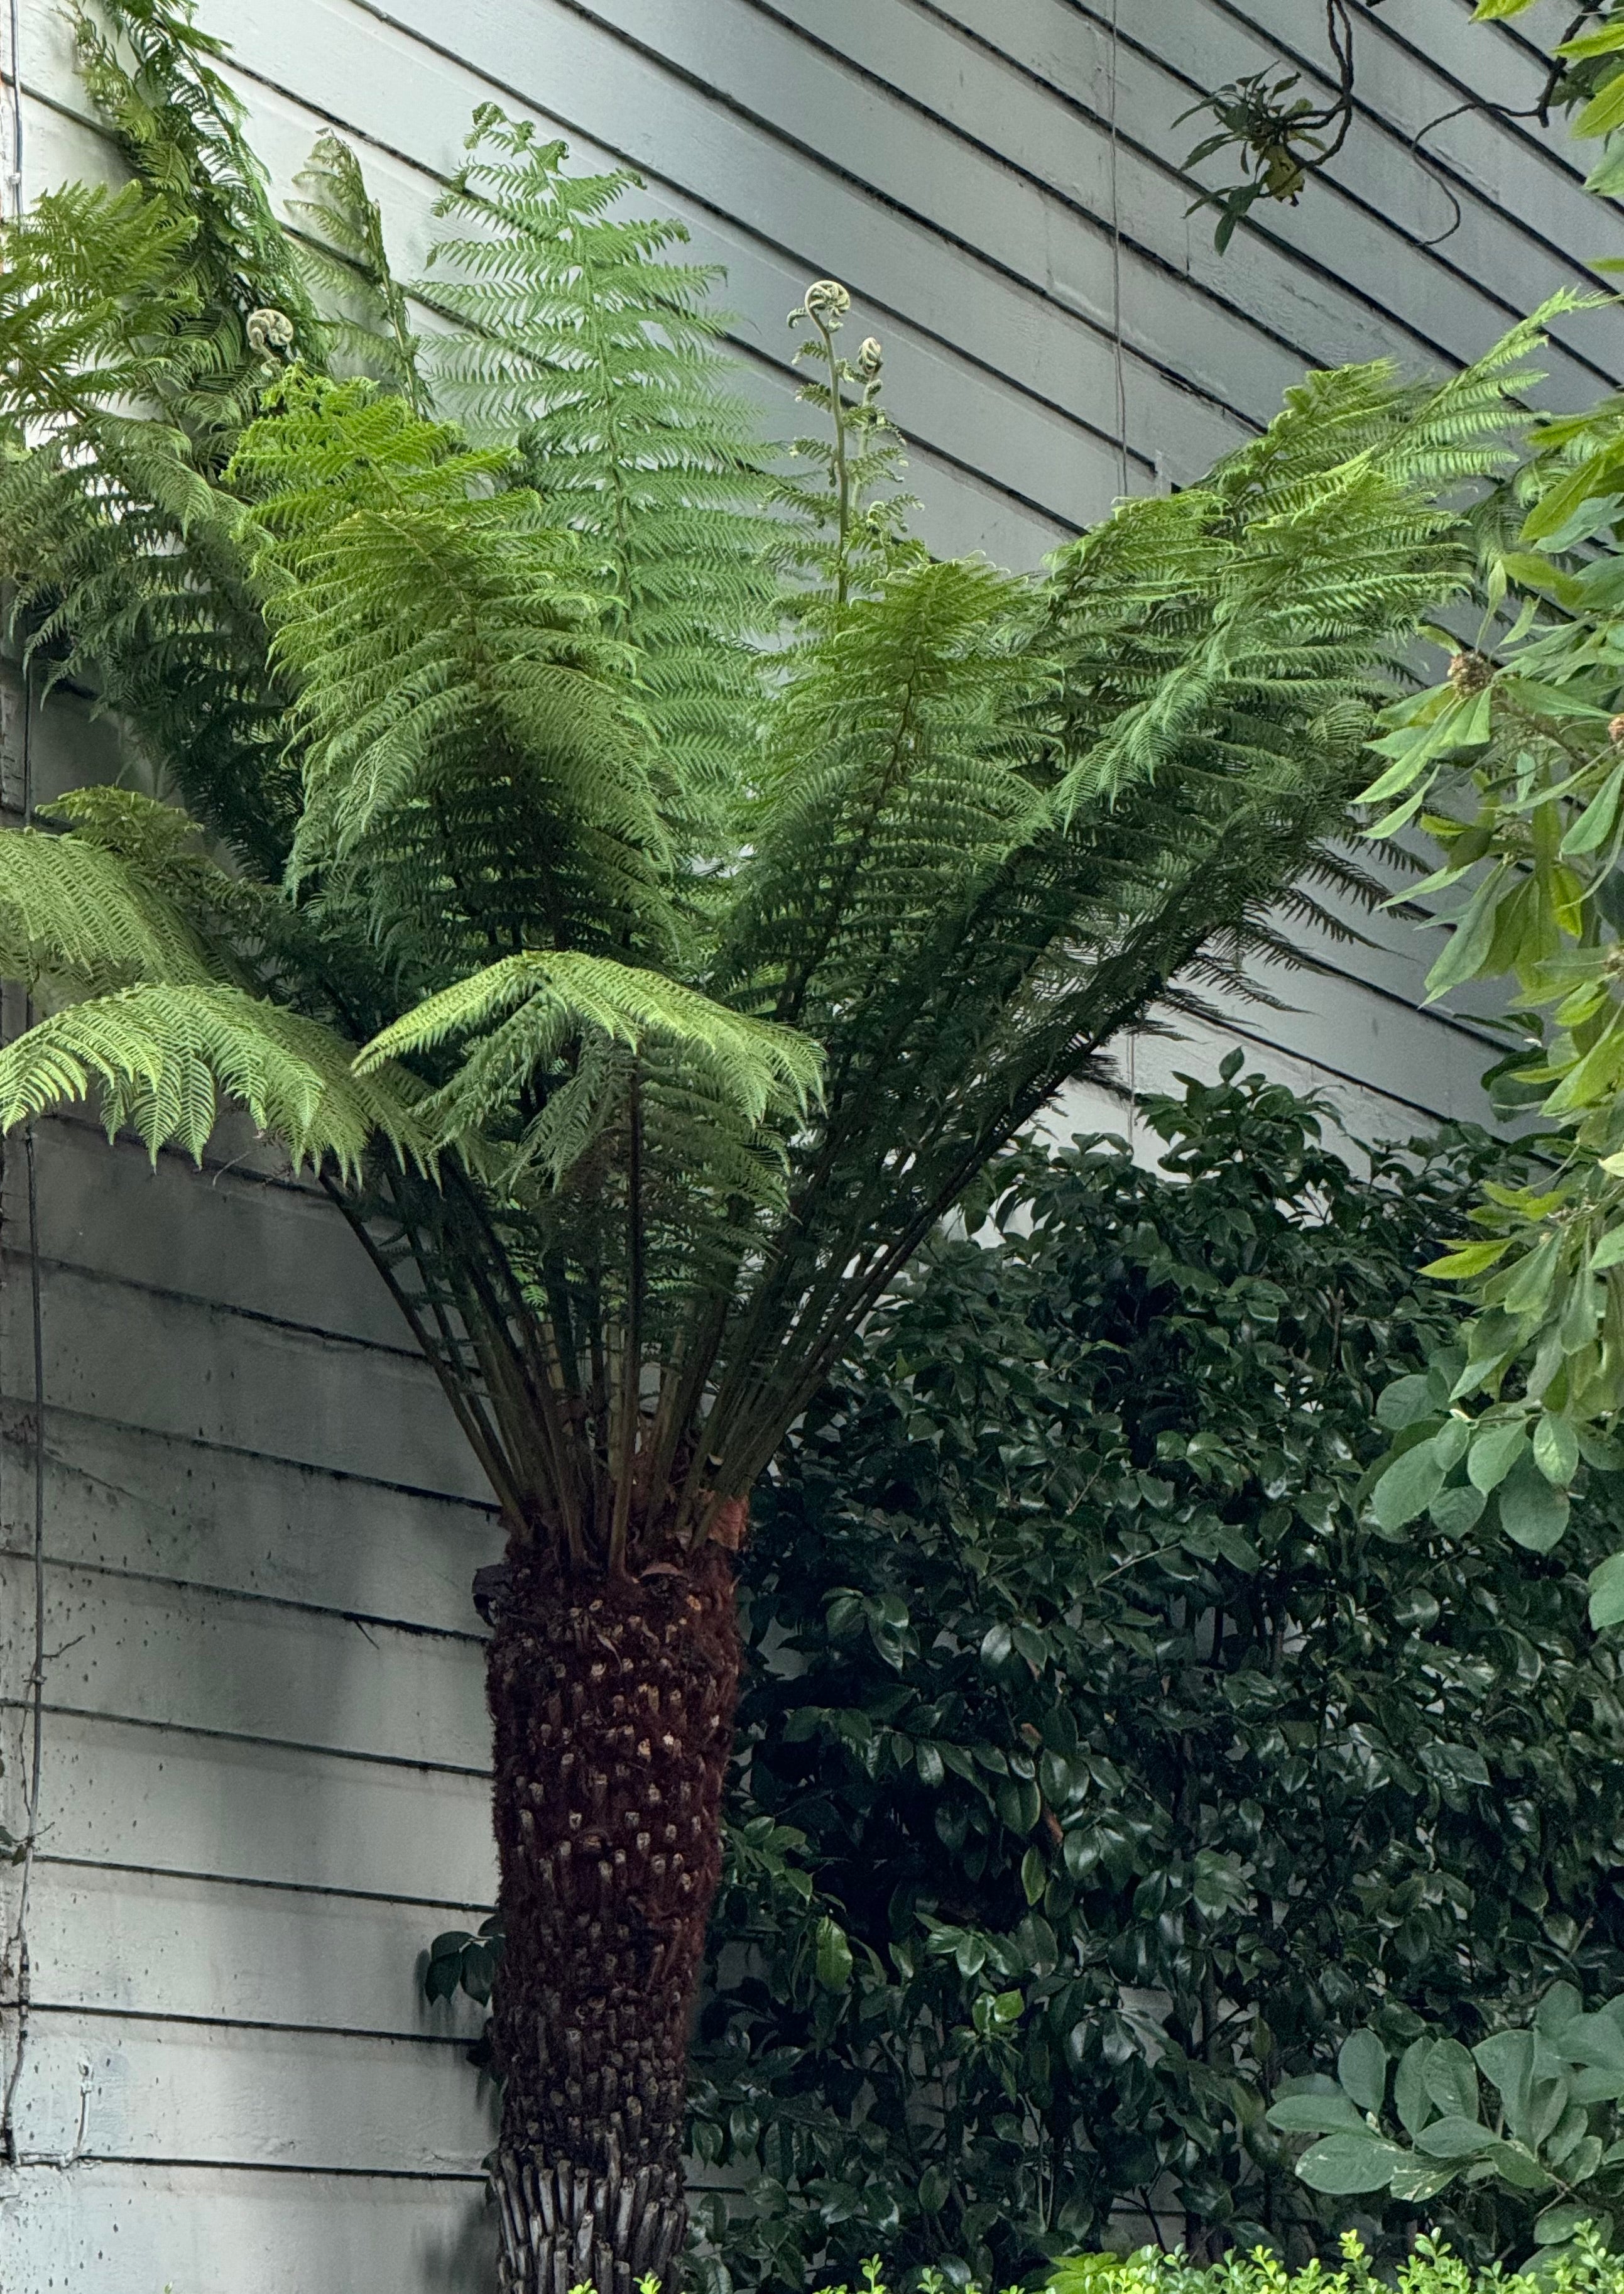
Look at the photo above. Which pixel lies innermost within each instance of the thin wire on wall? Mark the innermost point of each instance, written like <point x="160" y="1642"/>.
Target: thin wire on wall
<point x="15" y="1959"/>
<point x="13" y="174"/>
<point x="1119" y="371"/>
<point x="1118" y="357"/>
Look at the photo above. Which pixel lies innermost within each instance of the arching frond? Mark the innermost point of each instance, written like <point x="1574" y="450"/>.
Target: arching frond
<point x="437" y="631"/>
<point x="161" y="1057"/>
<point x="559" y="1040"/>
<point x="346" y="261"/>
<point x="592" y="345"/>
<point x="74" y="913"/>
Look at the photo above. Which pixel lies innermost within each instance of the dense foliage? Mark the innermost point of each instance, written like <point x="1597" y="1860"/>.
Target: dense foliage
<point x="1104" y="1767"/>
<point x="1512" y="766"/>
<point x="1540" y="2153"/>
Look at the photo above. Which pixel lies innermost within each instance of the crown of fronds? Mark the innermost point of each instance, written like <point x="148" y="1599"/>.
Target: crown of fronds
<point x="645" y="885"/>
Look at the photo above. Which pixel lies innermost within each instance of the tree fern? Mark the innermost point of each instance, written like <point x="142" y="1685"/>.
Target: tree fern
<point x="649" y="890"/>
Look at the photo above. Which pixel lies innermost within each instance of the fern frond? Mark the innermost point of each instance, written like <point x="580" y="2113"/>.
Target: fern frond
<point x="114" y="535"/>
<point x="586" y="343"/>
<point x="346" y="265"/>
<point x="527" y="1010"/>
<point x="75" y="914"/>
<point x="160" y="1059"/>
<point x="438" y="632"/>
<point x="151" y="74"/>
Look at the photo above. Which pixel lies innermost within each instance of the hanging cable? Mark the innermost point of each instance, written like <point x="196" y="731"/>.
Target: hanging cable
<point x="1118" y="361"/>
<point x="15" y="1965"/>
<point x="13" y="176"/>
<point x="16" y="1969"/>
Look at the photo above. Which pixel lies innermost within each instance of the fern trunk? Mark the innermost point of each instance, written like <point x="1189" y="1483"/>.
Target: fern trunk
<point x="612" y="1701"/>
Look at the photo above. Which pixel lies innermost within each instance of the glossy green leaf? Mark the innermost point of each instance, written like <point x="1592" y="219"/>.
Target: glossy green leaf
<point x="1346" y="2164"/>
<point x="1411" y="2099"/>
<point x="834" y="1961"/>
<point x="1361" y="2066"/>
<point x="1454" y="2136"/>
<point x="1495" y="1450"/>
<point x="1606" y="1583"/>
<point x="1407" y="1487"/>
<point x="1555" y="1450"/>
<point x="1532" y="1514"/>
<point x="1449" y="2076"/>
<point x="1604" y="111"/>
<point x="1405" y="1403"/>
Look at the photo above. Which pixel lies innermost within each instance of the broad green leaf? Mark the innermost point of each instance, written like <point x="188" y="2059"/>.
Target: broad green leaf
<point x="1604" y="111"/>
<point x="1558" y="2223"/>
<point x="834" y="1955"/>
<point x="1593" y="1075"/>
<point x="1506" y="2059"/>
<point x="1607" y="1592"/>
<point x="1410" y="2098"/>
<point x="1464" y="1259"/>
<point x="1451" y="2078"/>
<point x="1532" y="1514"/>
<point x="1555" y="1450"/>
<point x="1561" y="2004"/>
<point x="1456" y="1511"/>
<point x="1595" y="824"/>
<point x="1315" y="2114"/>
<point x="1346" y="2164"/>
<point x="1472" y="941"/>
<point x="1495" y="1450"/>
<point x="1361" y="2066"/>
<point x="1419" y="2179"/>
<point x="1407" y="1487"/>
<point x="1608" y="1251"/>
<point x="1489" y="11"/>
<point x="1519" y="2167"/>
<point x="1604" y="43"/>
<point x="1405" y="1403"/>
<point x="1454" y="2136"/>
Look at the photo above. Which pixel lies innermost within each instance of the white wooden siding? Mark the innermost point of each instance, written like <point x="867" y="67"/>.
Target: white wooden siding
<point x="265" y="1784"/>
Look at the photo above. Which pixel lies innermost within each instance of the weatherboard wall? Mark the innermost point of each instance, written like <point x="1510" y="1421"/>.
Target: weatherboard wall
<point x="264" y="1782"/>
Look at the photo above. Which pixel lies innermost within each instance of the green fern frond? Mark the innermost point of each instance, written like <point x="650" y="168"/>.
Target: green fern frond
<point x="75" y="914"/>
<point x="585" y="342"/>
<point x="116" y="538"/>
<point x="437" y="631"/>
<point x="151" y="74"/>
<point x="897" y="770"/>
<point x="345" y="263"/>
<point x="161" y="1057"/>
<point x="526" y="1009"/>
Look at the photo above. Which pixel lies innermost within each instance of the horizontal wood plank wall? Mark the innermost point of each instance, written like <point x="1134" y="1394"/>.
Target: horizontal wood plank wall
<point x="265" y="1742"/>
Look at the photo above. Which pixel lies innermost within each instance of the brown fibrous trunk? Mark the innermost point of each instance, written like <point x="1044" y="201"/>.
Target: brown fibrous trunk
<point x="612" y="1701"/>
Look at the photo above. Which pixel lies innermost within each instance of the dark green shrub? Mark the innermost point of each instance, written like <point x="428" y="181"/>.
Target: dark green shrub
<point x="1126" y="1768"/>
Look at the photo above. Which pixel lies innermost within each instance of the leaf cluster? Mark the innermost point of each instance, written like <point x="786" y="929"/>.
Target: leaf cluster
<point x="1548" y="2150"/>
<point x="1132" y="1767"/>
